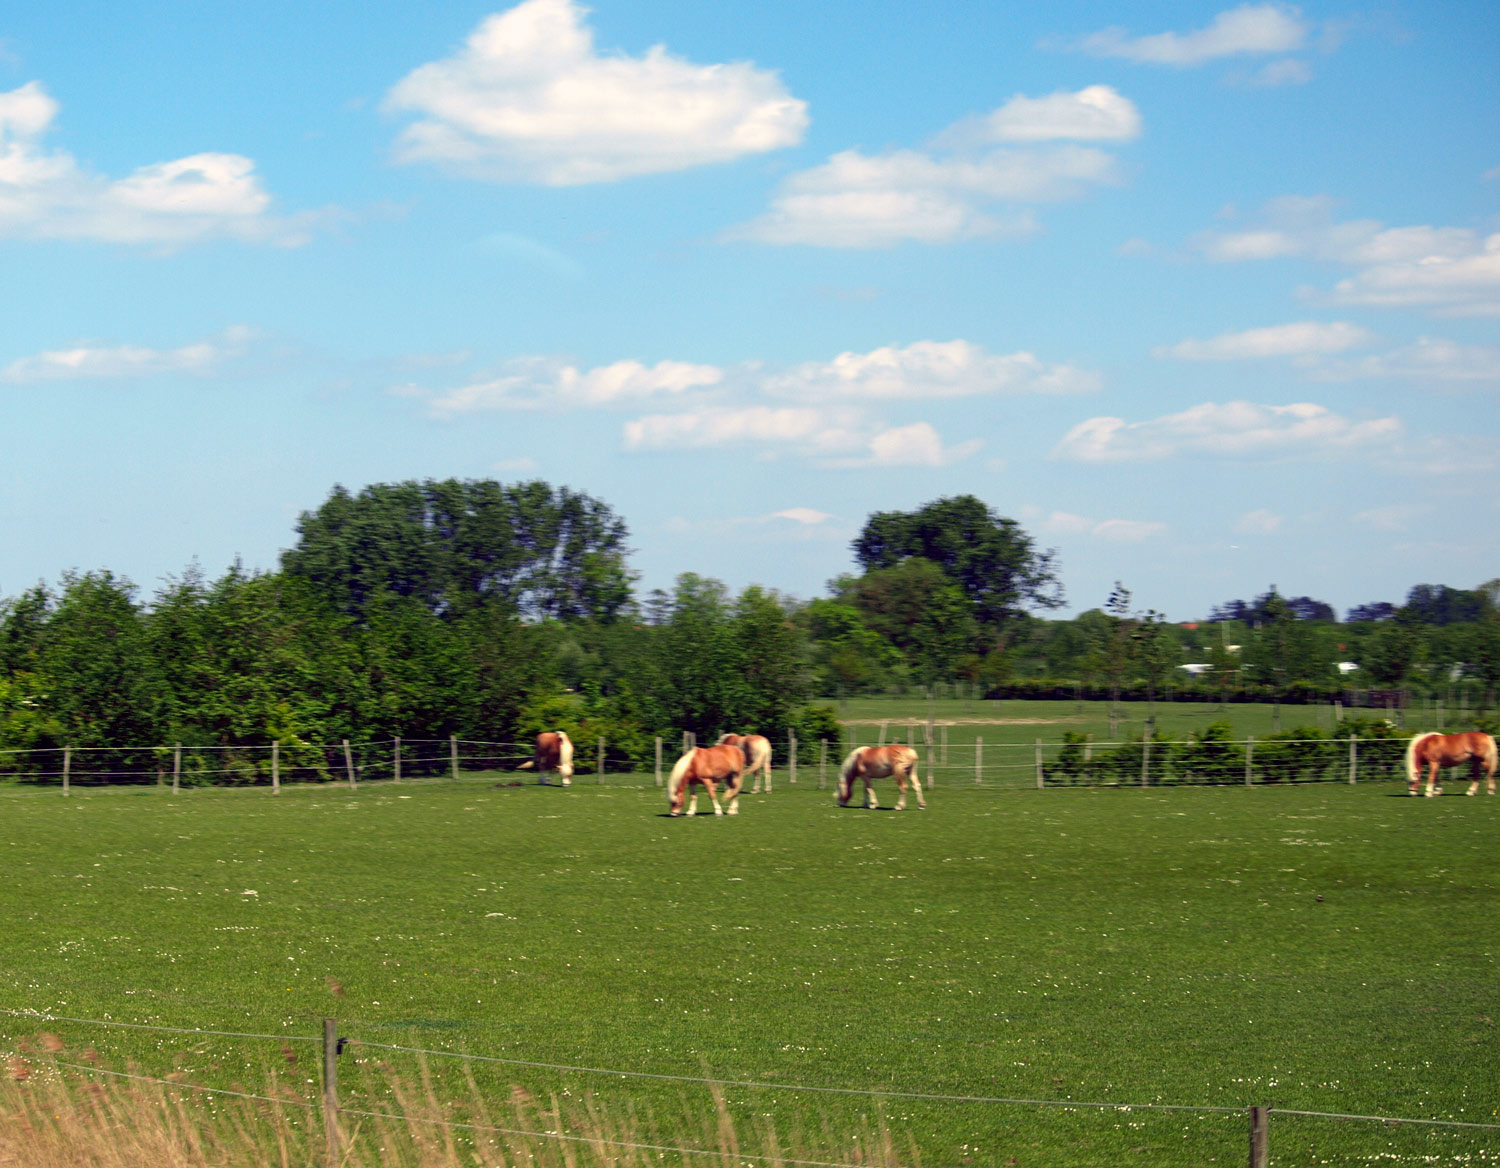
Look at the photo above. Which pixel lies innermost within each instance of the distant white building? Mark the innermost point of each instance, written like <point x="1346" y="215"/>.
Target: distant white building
<point x="1348" y="666"/>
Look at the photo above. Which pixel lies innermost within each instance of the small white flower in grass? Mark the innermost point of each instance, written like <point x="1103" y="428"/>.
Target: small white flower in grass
<point x="249" y="892"/>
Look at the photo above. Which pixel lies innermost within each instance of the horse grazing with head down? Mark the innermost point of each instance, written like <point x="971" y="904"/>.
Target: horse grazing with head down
<point x="1429" y="752"/>
<point x="879" y="762"/>
<point x="757" y="749"/>
<point x="704" y="766"/>
<point x="554" y="752"/>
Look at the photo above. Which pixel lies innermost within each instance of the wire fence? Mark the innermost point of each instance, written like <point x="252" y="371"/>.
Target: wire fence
<point x="333" y="1043"/>
<point x="1147" y="760"/>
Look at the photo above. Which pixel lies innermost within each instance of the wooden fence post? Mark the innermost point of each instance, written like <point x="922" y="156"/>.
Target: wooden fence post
<point x="453" y="756"/>
<point x="927" y="741"/>
<point x="599" y="774"/>
<point x="658" y="761"/>
<point x="822" y="760"/>
<point x="1146" y="756"/>
<point x="68" y="766"/>
<point x="1353" y="758"/>
<point x="1040" y="782"/>
<point x="978" y="760"/>
<point x="349" y="765"/>
<point x="331" y="1088"/>
<point x="176" y="766"/>
<point x="396" y="758"/>
<point x="882" y="733"/>
<point x="1260" y="1137"/>
<point x="276" y="767"/>
<point x="1249" y="758"/>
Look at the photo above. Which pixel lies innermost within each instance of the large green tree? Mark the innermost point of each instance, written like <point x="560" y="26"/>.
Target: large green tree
<point x="453" y="545"/>
<point x="990" y="558"/>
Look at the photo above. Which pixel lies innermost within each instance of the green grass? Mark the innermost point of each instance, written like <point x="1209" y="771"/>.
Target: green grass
<point x="1124" y="945"/>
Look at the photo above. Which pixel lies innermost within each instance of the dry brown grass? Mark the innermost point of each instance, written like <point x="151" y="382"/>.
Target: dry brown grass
<point x="58" y="1111"/>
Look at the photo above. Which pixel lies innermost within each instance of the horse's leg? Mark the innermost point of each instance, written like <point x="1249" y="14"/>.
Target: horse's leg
<point x="1432" y="777"/>
<point x="900" y="777"/>
<point x="732" y="794"/>
<point x="692" y="794"/>
<point x="708" y="785"/>
<point x="765" y="765"/>
<point x="916" y="785"/>
<point x="1473" y="776"/>
<point x="871" y="800"/>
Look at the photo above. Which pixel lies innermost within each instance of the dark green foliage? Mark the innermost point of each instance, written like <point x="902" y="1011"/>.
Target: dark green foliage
<point x="1210" y="756"/>
<point x="545" y="552"/>
<point x="990" y="558"/>
<point x="1303" y="753"/>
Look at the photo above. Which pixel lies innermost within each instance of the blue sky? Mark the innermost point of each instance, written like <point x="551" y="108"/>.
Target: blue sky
<point x="1205" y="296"/>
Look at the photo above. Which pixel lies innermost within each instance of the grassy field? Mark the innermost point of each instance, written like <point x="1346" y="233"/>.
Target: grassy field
<point x="1325" y="948"/>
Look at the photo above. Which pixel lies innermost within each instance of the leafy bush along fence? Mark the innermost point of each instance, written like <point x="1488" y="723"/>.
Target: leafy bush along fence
<point x="1369" y="750"/>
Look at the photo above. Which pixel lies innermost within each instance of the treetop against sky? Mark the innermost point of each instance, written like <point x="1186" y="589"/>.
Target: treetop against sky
<point x="1202" y="296"/>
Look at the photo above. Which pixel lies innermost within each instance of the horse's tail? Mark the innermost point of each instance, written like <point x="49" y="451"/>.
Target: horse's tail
<point x="1411" y="758"/>
<point x="527" y="765"/>
<point x="564" y="752"/>
<point x="679" y="772"/>
<point x="846" y="774"/>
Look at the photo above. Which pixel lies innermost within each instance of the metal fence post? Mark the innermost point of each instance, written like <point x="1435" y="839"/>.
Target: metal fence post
<point x="349" y="765"/>
<point x="396" y="759"/>
<point x="1249" y="758"/>
<point x="1040" y="783"/>
<point x="599" y="773"/>
<point x="68" y="767"/>
<point x="453" y="755"/>
<point x="1353" y="758"/>
<point x="822" y="760"/>
<point x="276" y="767"/>
<point x="176" y="766"/>
<point x="978" y="760"/>
<point x="791" y="765"/>
<point x="1146" y="756"/>
<point x="658" y="761"/>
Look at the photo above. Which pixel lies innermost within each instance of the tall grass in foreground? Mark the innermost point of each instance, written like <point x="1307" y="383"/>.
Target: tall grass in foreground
<point x="56" y="1114"/>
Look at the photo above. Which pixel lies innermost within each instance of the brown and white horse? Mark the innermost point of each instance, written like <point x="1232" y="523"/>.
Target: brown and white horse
<point x="1428" y="752"/>
<point x="879" y="762"/>
<point x="554" y="752"/>
<point x="757" y="748"/>
<point x="703" y="766"/>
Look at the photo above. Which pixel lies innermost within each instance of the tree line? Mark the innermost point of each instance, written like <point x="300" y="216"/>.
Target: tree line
<point x="491" y="611"/>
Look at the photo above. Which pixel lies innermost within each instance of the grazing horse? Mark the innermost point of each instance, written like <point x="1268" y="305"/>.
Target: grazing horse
<point x="704" y="766"/>
<point x="1428" y="752"/>
<point x="554" y="752"/>
<point x="757" y="748"/>
<point x="878" y="762"/>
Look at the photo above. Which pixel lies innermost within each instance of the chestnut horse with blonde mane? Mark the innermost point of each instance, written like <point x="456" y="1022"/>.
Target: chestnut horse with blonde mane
<point x="554" y="752"/>
<point x="704" y="766"/>
<point x="757" y="748"/>
<point x="1429" y="752"/>
<point x="879" y="762"/>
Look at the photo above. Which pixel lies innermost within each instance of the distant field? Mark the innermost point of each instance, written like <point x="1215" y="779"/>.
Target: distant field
<point x="1118" y="945"/>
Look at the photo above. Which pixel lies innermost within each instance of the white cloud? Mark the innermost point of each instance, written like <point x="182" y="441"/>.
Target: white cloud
<point x="927" y="369"/>
<point x="803" y="515"/>
<point x="1094" y="113"/>
<point x="529" y="99"/>
<point x="1428" y="359"/>
<point x="1453" y="285"/>
<point x="1248" y="29"/>
<point x="118" y="362"/>
<point x="45" y="194"/>
<point x="1290" y="71"/>
<point x="915" y="445"/>
<point x="532" y="383"/>
<point x="1450" y="271"/>
<point x="724" y="426"/>
<point x="1259" y="522"/>
<point x="1299" y="339"/>
<point x="1394" y="517"/>
<point x="963" y="188"/>
<point x="1230" y="430"/>
<point x="1114" y="530"/>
